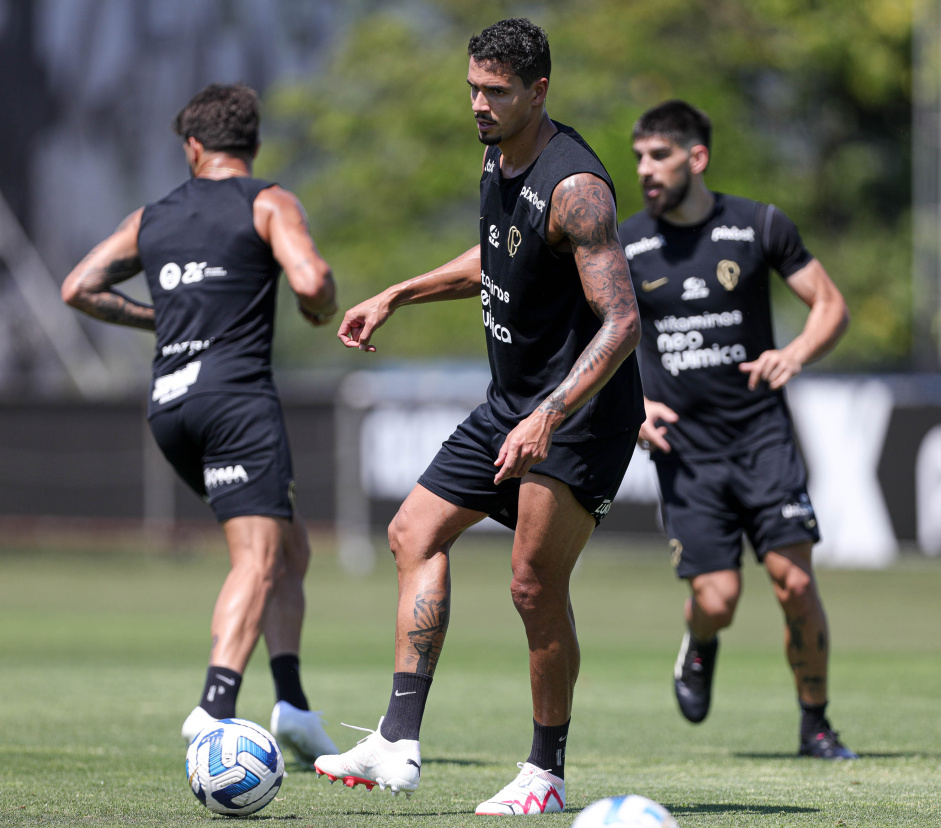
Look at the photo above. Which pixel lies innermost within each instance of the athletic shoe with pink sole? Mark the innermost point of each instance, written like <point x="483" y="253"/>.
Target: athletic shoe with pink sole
<point x="301" y="731"/>
<point x="534" y="791"/>
<point x="375" y="761"/>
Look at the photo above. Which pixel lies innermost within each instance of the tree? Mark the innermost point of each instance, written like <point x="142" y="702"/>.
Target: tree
<point x="811" y="105"/>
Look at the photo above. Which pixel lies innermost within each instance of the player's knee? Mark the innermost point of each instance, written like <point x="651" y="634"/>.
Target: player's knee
<point x="409" y="544"/>
<point x="533" y="595"/>
<point x="718" y="608"/>
<point x="798" y="592"/>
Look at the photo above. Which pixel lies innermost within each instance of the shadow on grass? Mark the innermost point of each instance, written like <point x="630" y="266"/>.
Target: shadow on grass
<point x="474" y="763"/>
<point x="899" y="754"/>
<point x="703" y="808"/>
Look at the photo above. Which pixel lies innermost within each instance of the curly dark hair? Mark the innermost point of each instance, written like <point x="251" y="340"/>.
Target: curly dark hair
<point x="517" y="43"/>
<point x="677" y="121"/>
<point x="221" y="118"/>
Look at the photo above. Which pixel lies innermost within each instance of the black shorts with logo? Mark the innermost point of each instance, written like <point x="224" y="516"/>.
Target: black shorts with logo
<point x="232" y="450"/>
<point x="708" y="505"/>
<point x="463" y="470"/>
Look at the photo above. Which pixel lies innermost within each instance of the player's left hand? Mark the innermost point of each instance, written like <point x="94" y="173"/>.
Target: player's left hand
<point x="774" y="367"/>
<point x="525" y="445"/>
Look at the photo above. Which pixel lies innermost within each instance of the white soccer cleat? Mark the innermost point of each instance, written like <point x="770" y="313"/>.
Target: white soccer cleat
<point x="534" y="791"/>
<point x="301" y="731"/>
<point x="375" y="761"/>
<point x="195" y="722"/>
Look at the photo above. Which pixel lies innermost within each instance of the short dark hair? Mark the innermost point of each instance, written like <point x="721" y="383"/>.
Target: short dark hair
<point x="677" y="121"/>
<point x="517" y="43"/>
<point x="221" y="118"/>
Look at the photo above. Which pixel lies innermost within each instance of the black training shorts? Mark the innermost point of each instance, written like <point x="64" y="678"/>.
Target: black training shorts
<point x="708" y="505"/>
<point x="463" y="470"/>
<point x="232" y="450"/>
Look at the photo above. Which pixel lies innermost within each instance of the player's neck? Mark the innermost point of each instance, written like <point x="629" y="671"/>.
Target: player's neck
<point x="695" y="208"/>
<point x="522" y="149"/>
<point x="220" y="165"/>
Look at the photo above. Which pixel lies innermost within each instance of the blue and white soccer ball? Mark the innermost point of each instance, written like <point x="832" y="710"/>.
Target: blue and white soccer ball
<point x="234" y="767"/>
<point x="632" y="811"/>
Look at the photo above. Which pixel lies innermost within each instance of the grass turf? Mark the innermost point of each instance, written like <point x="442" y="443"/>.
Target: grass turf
<point x="103" y="655"/>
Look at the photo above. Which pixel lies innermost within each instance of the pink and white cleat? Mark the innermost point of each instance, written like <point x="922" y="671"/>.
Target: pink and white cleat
<point x="375" y="761"/>
<point x="534" y="791"/>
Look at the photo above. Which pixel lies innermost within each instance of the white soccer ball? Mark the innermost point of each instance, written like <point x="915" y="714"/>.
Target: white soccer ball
<point x="632" y="811"/>
<point x="234" y="767"/>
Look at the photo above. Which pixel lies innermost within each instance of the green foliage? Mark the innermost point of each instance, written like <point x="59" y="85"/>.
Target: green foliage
<point x="811" y="105"/>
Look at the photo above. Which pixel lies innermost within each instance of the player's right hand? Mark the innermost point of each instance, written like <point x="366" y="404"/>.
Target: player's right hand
<point x="652" y="437"/>
<point x="360" y="322"/>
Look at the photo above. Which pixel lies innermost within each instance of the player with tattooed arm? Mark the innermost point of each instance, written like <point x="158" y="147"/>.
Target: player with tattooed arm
<point x="546" y="452"/>
<point x="212" y="251"/>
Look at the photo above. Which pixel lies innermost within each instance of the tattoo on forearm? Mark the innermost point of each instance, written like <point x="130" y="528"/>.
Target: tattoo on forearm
<point x="431" y="624"/>
<point x="100" y="299"/>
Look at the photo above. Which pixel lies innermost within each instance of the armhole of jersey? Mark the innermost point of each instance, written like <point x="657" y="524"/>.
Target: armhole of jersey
<point x="763" y="215"/>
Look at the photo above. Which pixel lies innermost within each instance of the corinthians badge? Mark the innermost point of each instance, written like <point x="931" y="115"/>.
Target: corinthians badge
<point x="513" y="241"/>
<point x="727" y="273"/>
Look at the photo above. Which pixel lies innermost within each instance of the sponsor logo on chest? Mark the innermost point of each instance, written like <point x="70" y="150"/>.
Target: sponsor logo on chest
<point x="644" y="246"/>
<point x="530" y="195"/>
<point x="723" y="233"/>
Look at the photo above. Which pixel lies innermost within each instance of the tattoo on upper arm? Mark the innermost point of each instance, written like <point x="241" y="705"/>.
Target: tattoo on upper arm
<point x="587" y="218"/>
<point x="586" y="215"/>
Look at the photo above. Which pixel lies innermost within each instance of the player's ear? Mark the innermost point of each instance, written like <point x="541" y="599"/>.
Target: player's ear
<point x="539" y="90"/>
<point x="698" y="158"/>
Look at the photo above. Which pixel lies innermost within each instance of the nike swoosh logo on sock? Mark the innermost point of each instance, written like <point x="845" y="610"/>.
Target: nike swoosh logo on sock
<point x="406" y="693"/>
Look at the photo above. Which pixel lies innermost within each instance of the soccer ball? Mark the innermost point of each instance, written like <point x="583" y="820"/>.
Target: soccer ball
<point x="234" y="767"/>
<point x="631" y="811"/>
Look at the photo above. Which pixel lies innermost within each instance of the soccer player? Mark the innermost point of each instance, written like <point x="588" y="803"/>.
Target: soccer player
<point x="212" y="251"/>
<point x="546" y="452"/>
<point x="717" y="425"/>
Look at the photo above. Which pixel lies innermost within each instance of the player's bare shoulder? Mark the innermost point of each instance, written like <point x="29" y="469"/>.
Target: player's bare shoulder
<point x="583" y="213"/>
<point x="275" y="204"/>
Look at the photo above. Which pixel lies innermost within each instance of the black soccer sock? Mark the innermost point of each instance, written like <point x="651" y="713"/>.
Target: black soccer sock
<point x="406" y="706"/>
<point x="813" y="720"/>
<point x="221" y="692"/>
<point x="286" y="672"/>
<point x="548" y="750"/>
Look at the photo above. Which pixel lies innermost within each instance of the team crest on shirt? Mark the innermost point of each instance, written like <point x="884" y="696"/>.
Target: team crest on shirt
<point x="513" y="241"/>
<point x="727" y="273"/>
<point x="694" y="288"/>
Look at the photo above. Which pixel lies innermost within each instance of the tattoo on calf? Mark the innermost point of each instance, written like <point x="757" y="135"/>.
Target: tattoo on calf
<point x="431" y="623"/>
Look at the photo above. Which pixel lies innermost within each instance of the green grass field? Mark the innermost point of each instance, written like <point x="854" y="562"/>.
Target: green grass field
<point x="103" y="655"/>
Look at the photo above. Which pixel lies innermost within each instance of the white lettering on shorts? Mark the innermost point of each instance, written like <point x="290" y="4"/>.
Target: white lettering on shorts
<point x="224" y="476"/>
<point x="170" y="386"/>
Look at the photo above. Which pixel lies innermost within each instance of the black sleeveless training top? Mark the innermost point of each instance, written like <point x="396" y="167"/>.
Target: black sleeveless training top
<point x="705" y="304"/>
<point x="535" y="314"/>
<point x="214" y="282"/>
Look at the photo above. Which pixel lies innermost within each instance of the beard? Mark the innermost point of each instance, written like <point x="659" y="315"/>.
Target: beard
<point x="489" y="139"/>
<point x="668" y="199"/>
